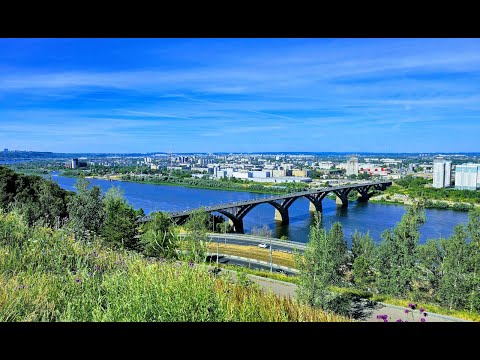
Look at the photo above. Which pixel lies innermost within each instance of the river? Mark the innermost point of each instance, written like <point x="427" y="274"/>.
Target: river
<point x="361" y="216"/>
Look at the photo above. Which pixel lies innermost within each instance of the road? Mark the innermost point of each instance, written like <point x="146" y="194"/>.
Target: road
<point x="249" y="263"/>
<point x="239" y="239"/>
<point x="362" y="309"/>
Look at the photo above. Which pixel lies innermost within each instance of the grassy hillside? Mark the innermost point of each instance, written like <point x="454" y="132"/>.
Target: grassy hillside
<point x="47" y="276"/>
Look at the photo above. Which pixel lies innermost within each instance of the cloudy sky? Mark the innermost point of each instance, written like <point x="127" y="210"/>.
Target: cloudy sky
<point x="240" y="95"/>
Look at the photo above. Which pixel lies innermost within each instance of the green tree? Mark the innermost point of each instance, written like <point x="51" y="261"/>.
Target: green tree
<point x="318" y="265"/>
<point x="453" y="287"/>
<point x="429" y="269"/>
<point x="120" y="227"/>
<point x="159" y="238"/>
<point x="364" y="256"/>
<point x="86" y="209"/>
<point x="396" y="254"/>
<point x="196" y="240"/>
<point x="336" y="238"/>
<point x="473" y="229"/>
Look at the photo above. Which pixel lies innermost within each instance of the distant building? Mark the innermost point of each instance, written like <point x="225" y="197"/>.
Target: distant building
<point x="300" y="173"/>
<point x="74" y="163"/>
<point x="467" y="177"/>
<point x="352" y="166"/>
<point x="442" y="173"/>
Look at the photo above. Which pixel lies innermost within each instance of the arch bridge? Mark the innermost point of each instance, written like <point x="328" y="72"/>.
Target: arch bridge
<point x="236" y="211"/>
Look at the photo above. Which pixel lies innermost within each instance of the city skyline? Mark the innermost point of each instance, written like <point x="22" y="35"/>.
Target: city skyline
<point x="240" y="95"/>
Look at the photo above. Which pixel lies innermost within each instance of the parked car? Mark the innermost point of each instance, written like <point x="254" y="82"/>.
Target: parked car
<point x="265" y="246"/>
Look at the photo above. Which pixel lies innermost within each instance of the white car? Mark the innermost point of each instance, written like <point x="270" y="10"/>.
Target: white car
<point x="265" y="246"/>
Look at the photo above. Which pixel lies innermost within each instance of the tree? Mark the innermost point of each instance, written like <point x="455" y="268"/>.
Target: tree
<point x="396" y="254"/>
<point x="473" y="229"/>
<point x="120" y="226"/>
<point x="159" y="238"/>
<point x="336" y="238"/>
<point x="196" y="241"/>
<point x="363" y="255"/>
<point x="86" y="209"/>
<point x="453" y="287"/>
<point x="263" y="231"/>
<point x="430" y="258"/>
<point x="318" y="265"/>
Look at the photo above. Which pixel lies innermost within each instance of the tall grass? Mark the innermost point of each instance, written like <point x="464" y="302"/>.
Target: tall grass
<point x="47" y="276"/>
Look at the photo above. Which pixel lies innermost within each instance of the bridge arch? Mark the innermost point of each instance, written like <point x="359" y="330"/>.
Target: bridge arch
<point x="281" y="213"/>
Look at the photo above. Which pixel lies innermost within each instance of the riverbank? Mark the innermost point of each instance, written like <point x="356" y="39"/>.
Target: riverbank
<point x="400" y="199"/>
<point x="181" y="184"/>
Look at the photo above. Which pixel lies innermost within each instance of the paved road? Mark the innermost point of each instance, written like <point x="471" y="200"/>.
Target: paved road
<point x="225" y="259"/>
<point x="277" y="244"/>
<point x="363" y="310"/>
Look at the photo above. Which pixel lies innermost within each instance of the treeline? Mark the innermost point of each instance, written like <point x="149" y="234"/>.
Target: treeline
<point x="37" y="199"/>
<point x="216" y="184"/>
<point x="444" y="272"/>
<point x="91" y="215"/>
<point x="415" y="187"/>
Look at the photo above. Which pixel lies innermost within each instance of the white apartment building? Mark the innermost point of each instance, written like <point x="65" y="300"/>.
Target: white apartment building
<point x="467" y="176"/>
<point x="441" y="173"/>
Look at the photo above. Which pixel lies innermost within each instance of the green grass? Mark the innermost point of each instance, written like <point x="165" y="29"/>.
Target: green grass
<point x="263" y="273"/>
<point x="45" y="275"/>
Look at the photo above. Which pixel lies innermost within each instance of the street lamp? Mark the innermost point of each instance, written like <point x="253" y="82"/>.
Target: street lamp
<point x="270" y="254"/>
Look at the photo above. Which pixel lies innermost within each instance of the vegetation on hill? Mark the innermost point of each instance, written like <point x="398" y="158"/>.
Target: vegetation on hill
<point x="415" y="187"/>
<point x="442" y="272"/>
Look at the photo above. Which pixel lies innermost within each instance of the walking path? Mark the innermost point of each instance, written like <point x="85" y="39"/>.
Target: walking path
<point x="364" y="310"/>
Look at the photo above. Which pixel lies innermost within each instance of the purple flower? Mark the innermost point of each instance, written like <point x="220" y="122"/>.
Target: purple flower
<point x="190" y="264"/>
<point x="385" y="320"/>
<point x="425" y="314"/>
<point x="77" y="280"/>
<point x="423" y="319"/>
<point x="406" y="311"/>
<point x="422" y="310"/>
<point x="399" y="320"/>
<point x="412" y="306"/>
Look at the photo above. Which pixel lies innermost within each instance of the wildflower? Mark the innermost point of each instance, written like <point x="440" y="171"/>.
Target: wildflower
<point x="399" y="320"/>
<point x="385" y="320"/>
<point x="190" y="264"/>
<point x="423" y="320"/>
<point x="425" y="314"/>
<point x="406" y="311"/>
<point x="77" y="280"/>
<point x="422" y="310"/>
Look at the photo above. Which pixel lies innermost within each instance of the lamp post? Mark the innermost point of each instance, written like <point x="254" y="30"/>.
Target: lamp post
<point x="270" y="254"/>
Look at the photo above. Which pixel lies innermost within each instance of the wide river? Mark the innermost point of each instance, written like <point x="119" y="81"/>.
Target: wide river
<point x="361" y="216"/>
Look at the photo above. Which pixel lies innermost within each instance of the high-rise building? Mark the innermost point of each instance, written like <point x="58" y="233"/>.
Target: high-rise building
<point x="467" y="176"/>
<point x="352" y="166"/>
<point x="442" y="173"/>
<point x="74" y="163"/>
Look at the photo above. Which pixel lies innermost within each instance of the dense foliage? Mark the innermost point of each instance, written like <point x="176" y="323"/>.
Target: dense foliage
<point x="45" y="275"/>
<point x="415" y="187"/>
<point x="39" y="200"/>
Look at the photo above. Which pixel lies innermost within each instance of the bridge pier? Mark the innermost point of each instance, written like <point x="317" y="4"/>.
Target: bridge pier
<point x="317" y="206"/>
<point x="237" y="226"/>
<point x="282" y="216"/>
<point x="341" y="201"/>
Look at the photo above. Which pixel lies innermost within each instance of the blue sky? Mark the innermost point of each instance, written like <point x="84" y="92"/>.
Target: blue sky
<point x="240" y="95"/>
